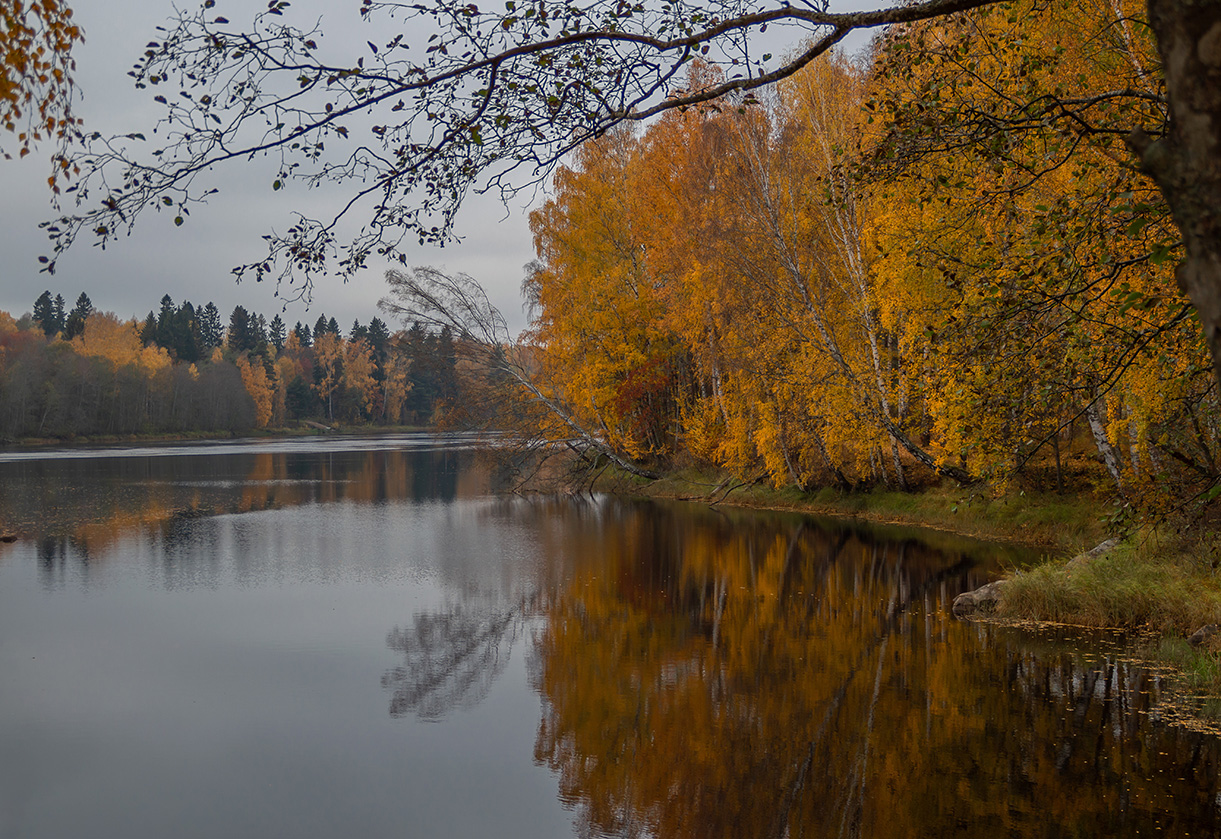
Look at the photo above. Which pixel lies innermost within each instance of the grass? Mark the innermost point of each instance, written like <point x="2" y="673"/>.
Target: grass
<point x="1144" y="582"/>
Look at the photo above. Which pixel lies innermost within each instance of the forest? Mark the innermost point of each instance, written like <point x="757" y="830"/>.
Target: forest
<point x="65" y="373"/>
<point x="938" y="259"/>
<point x="950" y="256"/>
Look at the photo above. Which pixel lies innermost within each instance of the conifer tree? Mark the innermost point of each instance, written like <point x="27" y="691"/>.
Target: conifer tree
<point x="239" y="338"/>
<point x="148" y="332"/>
<point x="44" y="313"/>
<point x="75" y="323"/>
<point x="211" y="330"/>
<point x="59" y="313"/>
<point x="276" y="333"/>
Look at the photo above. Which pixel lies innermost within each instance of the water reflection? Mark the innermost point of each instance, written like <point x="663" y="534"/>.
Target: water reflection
<point x="684" y="671"/>
<point x="451" y="657"/>
<point x="91" y="499"/>
<point x="736" y="676"/>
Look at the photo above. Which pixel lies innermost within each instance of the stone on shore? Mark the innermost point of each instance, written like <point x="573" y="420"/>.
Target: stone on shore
<point x="982" y="600"/>
<point x="1204" y="634"/>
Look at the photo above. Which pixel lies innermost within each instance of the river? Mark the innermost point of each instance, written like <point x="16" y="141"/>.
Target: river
<point x="367" y="637"/>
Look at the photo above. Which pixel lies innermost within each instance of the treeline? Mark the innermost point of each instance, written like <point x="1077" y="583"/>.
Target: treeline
<point x="938" y="261"/>
<point x="85" y="372"/>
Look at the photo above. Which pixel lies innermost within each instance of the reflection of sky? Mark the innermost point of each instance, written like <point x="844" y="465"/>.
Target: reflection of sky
<point x="228" y="683"/>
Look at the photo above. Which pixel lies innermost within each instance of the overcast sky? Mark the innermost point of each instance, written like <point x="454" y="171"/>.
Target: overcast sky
<point x="193" y="262"/>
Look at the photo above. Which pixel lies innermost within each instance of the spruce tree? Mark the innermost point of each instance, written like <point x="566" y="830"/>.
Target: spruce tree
<point x="148" y="332"/>
<point x="57" y="311"/>
<point x="238" y="338"/>
<point x="211" y="330"/>
<point x="275" y="333"/>
<point x="80" y="313"/>
<point x="44" y="313"/>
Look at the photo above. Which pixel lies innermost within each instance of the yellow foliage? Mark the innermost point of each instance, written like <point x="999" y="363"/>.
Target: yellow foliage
<point x="105" y="336"/>
<point x="262" y="389"/>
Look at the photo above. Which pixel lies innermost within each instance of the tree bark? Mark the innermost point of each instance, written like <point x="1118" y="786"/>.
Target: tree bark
<point x="1186" y="163"/>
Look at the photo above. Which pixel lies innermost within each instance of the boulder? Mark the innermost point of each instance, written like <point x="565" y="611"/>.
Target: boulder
<point x="1081" y="560"/>
<point x="1204" y="634"/>
<point x="983" y="599"/>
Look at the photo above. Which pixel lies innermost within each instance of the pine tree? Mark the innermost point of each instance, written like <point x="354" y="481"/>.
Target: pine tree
<point x="239" y="337"/>
<point x="320" y="327"/>
<point x="258" y="334"/>
<point x="211" y="330"/>
<point x="165" y="323"/>
<point x="44" y="313"/>
<point x="276" y="333"/>
<point x="58" y="313"/>
<point x="187" y="339"/>
<point x="148" y="332"/>
<point x="80" y="313"/>
<point x="303" y="334"/>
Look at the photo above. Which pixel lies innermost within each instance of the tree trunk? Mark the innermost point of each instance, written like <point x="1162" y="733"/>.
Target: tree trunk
<point x="1099" y="431"/>
<point x="1186" y="163"/>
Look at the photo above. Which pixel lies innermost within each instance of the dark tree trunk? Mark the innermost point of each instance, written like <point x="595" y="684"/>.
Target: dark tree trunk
<point x="1186" y="163"/>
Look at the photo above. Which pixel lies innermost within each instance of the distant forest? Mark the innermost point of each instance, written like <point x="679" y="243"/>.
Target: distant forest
<point x="183" y="369"/>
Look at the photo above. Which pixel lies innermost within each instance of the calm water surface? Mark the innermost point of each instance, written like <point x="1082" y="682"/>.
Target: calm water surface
<point x="354" y="637"/>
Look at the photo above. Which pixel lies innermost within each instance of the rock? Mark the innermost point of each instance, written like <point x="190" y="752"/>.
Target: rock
<point x="8" y="537"/>
<point x="1081" y="560"/>
<point x="983" y="599"/>
<point x="1203" y="634"/>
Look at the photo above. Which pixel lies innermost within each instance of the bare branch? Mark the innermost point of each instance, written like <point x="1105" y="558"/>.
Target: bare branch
<point x="493" y="102"/>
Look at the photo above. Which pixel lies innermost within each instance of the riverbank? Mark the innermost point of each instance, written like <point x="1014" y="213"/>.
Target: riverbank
<point x="1162" y="583"/>
<point x="1050" y="523"/>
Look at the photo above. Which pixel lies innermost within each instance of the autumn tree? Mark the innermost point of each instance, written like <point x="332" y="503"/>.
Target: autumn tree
<point x="1042" y="268"/>
<point x="501" y="92"/>
<point x="459" y="305"/>
<point x="36" y="76"/>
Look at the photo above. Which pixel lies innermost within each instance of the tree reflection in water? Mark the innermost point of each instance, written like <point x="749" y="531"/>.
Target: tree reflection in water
<point x="789" y="681"/>
<point x="713" y="675"/>
<point x="451" y="658"/>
